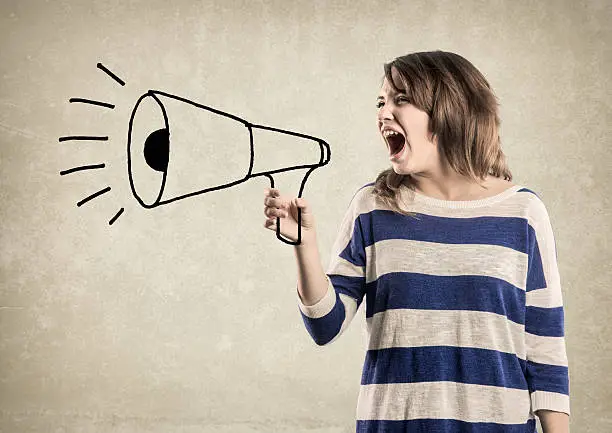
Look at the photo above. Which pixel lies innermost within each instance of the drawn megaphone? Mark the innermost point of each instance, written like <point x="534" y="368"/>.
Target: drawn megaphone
<point x="177" y="148"/>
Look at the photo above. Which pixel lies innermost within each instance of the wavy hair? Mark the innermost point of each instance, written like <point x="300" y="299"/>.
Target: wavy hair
<point x="463" y="115"/>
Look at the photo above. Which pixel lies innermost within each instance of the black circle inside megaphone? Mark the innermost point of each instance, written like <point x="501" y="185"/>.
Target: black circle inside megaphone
<point x="157" y="150"/>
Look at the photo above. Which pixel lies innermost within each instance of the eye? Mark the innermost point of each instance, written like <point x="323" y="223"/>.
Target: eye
<point x="379" y="103"/>
<point x="402" y="99"/>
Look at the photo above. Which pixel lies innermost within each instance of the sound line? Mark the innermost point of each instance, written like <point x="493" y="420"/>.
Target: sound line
<point x="113" y="76"/>
<point x="91" y="197"/>
<point x="92" y="102"/>
<point x="84" y="138"/>
<point x="117" y="215"/>
<point x="84" y="167"/>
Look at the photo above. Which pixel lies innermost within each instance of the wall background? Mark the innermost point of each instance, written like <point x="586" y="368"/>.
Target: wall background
<point x="184" y="318"/>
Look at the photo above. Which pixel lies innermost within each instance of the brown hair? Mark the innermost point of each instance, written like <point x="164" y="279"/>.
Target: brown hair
<point x="463" y="115"/>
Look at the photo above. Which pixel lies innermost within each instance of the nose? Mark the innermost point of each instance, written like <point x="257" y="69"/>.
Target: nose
<point x="385" y="113"/>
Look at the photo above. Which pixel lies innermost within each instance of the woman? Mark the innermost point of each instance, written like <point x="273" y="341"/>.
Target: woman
<point x="457" y="266"/>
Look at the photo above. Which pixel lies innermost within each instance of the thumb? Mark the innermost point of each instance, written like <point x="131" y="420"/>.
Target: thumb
<point x="301" y="204"/>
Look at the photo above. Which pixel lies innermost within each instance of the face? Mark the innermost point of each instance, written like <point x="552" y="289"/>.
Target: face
<point x="404" y="129"/>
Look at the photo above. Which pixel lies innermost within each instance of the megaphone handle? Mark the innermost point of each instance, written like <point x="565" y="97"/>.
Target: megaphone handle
<point x="299" y="226"/>
<point x="299" y="220"/>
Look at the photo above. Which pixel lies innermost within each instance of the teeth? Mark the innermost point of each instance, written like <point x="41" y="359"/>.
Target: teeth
<point x="387" y="133"/>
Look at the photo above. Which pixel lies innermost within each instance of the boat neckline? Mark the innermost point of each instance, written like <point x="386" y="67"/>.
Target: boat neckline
<point x="461" y="204"/>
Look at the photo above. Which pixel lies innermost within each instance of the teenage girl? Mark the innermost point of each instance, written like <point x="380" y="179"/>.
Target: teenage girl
<point x="457" y="266"/>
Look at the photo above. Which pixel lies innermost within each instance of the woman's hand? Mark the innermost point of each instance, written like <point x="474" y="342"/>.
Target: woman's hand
<point x="286" y="209"/>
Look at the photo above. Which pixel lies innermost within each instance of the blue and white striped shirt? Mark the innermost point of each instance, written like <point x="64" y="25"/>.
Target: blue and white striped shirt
<point x="464" y="312"/>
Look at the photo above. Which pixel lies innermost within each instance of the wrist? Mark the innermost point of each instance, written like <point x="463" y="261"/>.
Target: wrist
<point x="308" y="240"/>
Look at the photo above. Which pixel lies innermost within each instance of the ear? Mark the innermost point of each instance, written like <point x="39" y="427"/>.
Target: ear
<point x="433" y="138"/>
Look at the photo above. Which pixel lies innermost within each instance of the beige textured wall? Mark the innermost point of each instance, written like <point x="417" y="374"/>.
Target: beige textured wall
<point x="184" y="318"/>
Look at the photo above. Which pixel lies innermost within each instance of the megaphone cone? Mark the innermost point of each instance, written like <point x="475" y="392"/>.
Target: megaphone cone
<point x="166" y="163"/>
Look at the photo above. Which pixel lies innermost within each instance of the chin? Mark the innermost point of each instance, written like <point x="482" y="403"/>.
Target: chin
<point x="401" y="170"/>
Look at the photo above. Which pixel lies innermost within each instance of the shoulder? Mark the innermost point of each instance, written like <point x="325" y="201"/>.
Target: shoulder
<point x="364" y="192"/>
<point x="364" y="200"/>
<point x="533" y="203"/>
<point x="536" y="213"/>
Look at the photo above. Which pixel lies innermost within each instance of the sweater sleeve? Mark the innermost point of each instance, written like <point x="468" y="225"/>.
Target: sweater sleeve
<point x="328" y="318"/>
<point x="547" y="371"/>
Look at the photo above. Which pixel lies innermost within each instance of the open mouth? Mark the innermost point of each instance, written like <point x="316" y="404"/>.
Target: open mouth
<point x="395" y="141"/>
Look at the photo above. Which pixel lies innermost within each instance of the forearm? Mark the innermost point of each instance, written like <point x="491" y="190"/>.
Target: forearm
<point x="553" y="422"/>
<point x="312" y="281"/>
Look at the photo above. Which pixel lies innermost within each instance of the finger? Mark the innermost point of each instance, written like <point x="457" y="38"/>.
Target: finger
<point x="301" y="203"/>
<point x="272" y="212"/>
<point x="275" y="202"/>
<point x="270" y="225"/>
<point x="271" y="192"/>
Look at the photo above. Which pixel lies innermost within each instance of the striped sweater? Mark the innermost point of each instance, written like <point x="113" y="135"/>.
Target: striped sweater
<point x="463" y="307"/>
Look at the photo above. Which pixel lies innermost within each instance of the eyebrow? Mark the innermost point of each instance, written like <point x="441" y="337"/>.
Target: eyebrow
<point x="392" y="93"/>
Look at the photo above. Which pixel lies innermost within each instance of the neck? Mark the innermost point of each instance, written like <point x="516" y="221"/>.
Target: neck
<point x="450" y="187"/>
